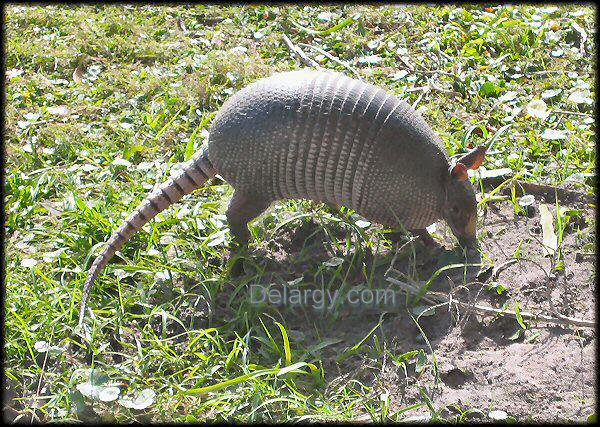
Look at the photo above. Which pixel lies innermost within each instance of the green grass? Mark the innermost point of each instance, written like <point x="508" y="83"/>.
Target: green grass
<point x="167" y="316"/>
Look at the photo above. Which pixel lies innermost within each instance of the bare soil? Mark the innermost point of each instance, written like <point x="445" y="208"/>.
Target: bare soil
<point x="544" y="373"/>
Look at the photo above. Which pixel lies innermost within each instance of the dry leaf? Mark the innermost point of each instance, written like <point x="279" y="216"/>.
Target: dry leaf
<point x="78" y="74"/>
<point x="549" y="240"/>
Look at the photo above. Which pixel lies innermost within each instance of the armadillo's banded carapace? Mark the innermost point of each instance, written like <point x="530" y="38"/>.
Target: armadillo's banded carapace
<point x="327" y="137"/>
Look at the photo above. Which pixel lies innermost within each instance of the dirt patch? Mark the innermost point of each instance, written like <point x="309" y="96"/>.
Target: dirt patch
<point x="543" y="373"/>
<point x="548" y="373"/>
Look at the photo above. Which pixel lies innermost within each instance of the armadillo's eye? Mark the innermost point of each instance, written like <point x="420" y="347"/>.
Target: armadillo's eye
<point x="454" y="209"/>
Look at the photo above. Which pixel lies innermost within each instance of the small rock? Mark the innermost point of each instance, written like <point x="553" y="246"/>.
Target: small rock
<point x="532" y="211"/>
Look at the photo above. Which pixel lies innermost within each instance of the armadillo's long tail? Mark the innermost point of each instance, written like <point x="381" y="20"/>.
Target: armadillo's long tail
<point x="193" y="176"/>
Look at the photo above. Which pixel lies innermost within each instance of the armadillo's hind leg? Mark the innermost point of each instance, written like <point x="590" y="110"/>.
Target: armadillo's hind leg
<point x="242" y="209"/>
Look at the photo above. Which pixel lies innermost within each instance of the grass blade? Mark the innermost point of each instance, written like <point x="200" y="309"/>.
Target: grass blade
<point x="286" y="344"/>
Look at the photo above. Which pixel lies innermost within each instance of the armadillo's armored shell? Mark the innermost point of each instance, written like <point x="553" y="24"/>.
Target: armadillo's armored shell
<point x="327" y="137"/>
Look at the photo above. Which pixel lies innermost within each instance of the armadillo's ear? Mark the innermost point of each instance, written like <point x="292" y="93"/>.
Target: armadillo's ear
<point x="459" y="172"/>
<point x="474" y="158"/>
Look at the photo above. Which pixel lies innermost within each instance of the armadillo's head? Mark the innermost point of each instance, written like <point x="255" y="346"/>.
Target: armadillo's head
<point x="460" y="207"/>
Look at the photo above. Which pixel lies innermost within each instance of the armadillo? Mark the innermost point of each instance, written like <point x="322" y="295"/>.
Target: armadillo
<point x="325" y="137"/>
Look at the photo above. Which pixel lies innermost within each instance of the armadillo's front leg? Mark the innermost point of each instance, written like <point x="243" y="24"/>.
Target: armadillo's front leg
<point x="422" y="234"/>
<point x="425" y="237"/>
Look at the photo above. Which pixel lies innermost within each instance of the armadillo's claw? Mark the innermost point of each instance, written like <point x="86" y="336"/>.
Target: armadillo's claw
<point x="470" y="249"/>
<point x="469" y="243"/>
<point x="236" y="260"/>
<point x="237" y="268"/>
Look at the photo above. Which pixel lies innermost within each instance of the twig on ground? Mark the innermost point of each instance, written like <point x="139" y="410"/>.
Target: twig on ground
<point x="414" y="105"/>
<point x="443" y="54"/>
<point x="442" y="72"/>
<point x="544" y="191"/>
<point x="40" y="381"/>
<point x="441" y="89"/>
<point x="433" y="86"/>
<point x="573" y="113"/>
<point x="545" y="72"/>
<point x="332" y="58"/>
<point x="422" y="69"/>
<point x="562" y="320"/>
<point x="303" y="58"/>
<point x="406" y="63"/>
<point x="549" y="191"/>
<point x="439" y="298"/>
<point x="500" y="268"/>
<point x="418" y="88"/>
